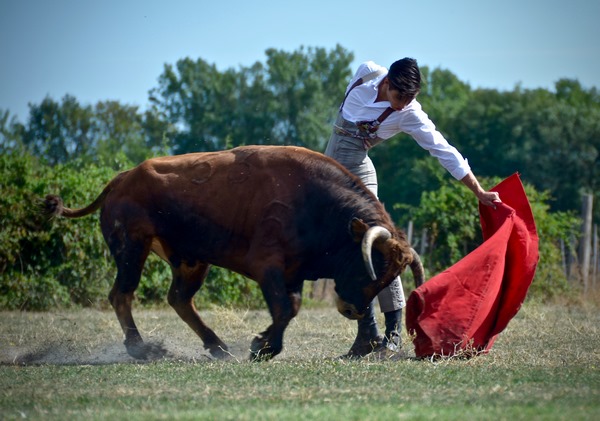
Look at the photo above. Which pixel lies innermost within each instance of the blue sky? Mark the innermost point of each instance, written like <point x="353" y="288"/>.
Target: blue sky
<point x="115" y="50"/>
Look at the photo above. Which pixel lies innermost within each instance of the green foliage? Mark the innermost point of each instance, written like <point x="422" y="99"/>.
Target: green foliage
<point x="59" y="263"/>
<point x="11" y="132"/>
<point x="552" y="227"/>
<point x="226" y="288"/>
<point x="44" y="264"/>
<point x="155" y="283"/>
<point x="450" y="216"/>
<point x="537" y="132"/>
<point x="61" y="132"/>
<point x="222" y="287"/>
<point x="48" y="263"/>
<point x="289" y="101"/>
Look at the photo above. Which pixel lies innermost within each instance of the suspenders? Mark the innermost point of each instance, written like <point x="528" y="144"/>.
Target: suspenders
<point x="368" y="129"/>
<point x="360" y="81"/>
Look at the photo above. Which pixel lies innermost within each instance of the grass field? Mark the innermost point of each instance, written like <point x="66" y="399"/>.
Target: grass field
<point x="72" y="365"/>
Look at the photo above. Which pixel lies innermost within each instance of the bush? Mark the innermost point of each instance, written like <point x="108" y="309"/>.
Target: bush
<point x="64" y="262"/>
<point x="221" y="287"/>
<point x="43" y="262"/>
<point x="226" y="288"/>
<point x="553" y="227"/>
<point x="59" y="263"/>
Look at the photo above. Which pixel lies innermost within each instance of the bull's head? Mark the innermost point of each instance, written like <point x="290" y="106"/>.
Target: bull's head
<point x="393" y="254"/>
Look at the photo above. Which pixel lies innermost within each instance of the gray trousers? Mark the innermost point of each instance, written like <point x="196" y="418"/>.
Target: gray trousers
<point x="350" y="152"/>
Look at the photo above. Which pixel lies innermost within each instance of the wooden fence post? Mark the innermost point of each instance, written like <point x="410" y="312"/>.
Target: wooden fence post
<point x="563" y="255"/>
<point x="423" y="242"/>
<point x="595" y="257"/>
<point x="586" y="240"/>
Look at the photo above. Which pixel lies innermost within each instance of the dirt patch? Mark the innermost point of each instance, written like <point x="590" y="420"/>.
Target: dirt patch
<point x="65" y="353"/>
<point x="91" y="337"/>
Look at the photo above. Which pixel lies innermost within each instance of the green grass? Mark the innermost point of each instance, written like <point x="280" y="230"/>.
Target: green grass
<point x="546" y="365"/>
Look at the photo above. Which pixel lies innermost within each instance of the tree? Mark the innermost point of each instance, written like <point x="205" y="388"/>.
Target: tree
<point x="290" y="101"/>
<point x="443" y="96"/>
<point x="198" y="100"/>
<point x="11" y="132"/>
<point x="308" y="87"/>
<point x="537" y="133"/>
<point x="59" y="132"/>
<point x="564" y="155"/>
<point x="108" y="133"/>
<point x="118" y="129"/>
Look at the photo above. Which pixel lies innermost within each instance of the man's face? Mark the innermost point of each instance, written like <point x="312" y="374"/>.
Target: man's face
<point x="397" y="101"/>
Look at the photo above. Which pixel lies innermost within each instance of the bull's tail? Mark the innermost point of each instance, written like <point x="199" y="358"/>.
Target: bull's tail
<point x="417" y="269"/>
<point x="53" y="206"/>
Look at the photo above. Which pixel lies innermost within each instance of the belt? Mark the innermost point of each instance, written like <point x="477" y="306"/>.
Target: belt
<point x="367" y="144"/>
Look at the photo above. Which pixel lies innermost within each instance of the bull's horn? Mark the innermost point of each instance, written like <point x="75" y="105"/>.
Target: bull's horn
<point x="373" y="234"/>
<point x="416" y="266"/>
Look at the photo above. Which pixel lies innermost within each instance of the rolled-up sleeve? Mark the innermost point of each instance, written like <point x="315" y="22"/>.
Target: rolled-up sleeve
<point x="416" y="123"/>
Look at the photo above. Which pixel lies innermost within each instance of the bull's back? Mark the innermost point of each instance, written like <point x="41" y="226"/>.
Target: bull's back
<point x="215" y="199"/>
<point x="216" y="182"/>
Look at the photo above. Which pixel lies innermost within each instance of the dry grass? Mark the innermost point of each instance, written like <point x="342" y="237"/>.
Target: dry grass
<point x="545" y="365"/>
<point x="94" y="337"/>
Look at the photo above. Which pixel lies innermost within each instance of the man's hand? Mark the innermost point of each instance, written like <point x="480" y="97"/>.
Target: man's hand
<point x="488" y="198"/>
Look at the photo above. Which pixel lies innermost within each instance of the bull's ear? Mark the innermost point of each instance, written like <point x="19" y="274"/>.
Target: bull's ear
<point x="358" y="229"/>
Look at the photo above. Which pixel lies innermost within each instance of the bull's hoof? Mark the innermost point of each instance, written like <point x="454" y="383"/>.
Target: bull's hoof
<point x="137" y="348"/>
<point x="261" y="350"/>
<point x="140" y="350"/>
<point x="363" y="347"/>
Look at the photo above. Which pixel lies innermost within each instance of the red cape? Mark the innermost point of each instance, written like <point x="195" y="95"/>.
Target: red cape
<point x="464" y="308"/>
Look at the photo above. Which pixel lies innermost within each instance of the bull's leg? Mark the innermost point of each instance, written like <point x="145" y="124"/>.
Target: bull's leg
<point x="130" y="260"/>
<point x="283" y="305"/>
<point x="187" y="280"/>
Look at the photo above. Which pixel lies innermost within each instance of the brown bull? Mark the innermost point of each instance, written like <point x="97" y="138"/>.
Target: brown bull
<point x="278" y="215"/>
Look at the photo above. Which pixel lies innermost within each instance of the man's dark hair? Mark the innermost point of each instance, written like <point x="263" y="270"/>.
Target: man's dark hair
<point x="404" y="76"/>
